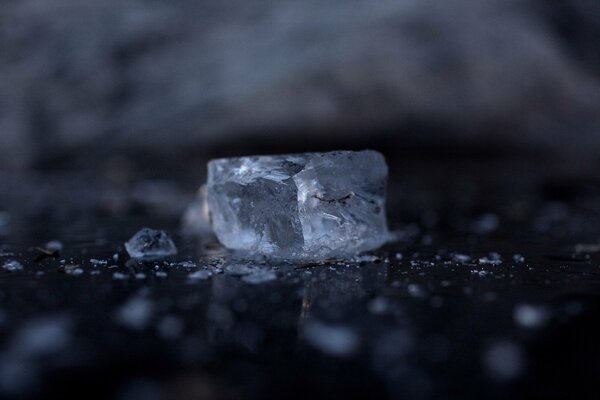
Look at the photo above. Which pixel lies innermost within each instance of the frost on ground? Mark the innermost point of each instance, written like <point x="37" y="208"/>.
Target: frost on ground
<point x="491" y="259"/>
<point x="150" y="243"/>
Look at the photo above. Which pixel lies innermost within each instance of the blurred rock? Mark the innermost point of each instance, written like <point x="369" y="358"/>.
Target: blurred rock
<point x="162" y="76"/>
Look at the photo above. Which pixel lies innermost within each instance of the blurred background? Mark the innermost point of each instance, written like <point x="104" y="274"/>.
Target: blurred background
<point x="84" y="82"/>
<point x="488" y="113"/>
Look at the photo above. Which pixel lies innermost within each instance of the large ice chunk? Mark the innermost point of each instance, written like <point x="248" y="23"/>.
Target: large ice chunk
<point x="300" y="206"/>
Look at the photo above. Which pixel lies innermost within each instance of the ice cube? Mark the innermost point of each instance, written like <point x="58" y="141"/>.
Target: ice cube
<point x="150" y="243"/>
<point x="300" y="206"/>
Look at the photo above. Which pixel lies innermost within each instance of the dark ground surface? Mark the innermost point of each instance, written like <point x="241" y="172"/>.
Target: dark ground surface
<point x="427" y="324"/>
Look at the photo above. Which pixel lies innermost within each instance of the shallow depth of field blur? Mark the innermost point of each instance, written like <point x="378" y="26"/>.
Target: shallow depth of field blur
<point x="82" y="83"/>
<point x="488" y="114"/>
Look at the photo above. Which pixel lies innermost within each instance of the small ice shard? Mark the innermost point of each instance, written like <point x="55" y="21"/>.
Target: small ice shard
<point x="492" y="259"/>
<point x="12" y="265"/>
<point x="150" y="243"/>
<point x="461" y="258"/>
<point x="300" y="206"/>
<point x="73" y="270"/>
<point x="518" y="258"/>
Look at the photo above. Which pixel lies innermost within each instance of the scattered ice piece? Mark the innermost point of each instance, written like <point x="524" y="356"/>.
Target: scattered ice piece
<point x="12" y="265"/>
<point x="170" y="327"/>
<point x="491" y="259"/>
<point x="135" y="313"/>
<point x="161" y="274"/>
<point x="187" y="264"/>
<point x="461" y="258"/>
<point x="115" y="257"/>
<point x="95" y="272"/>
<point x="200" y="275"/>
<point x="531" y="316"/>
<point x="150" y="243"/>
<point x="140" y="275"/>
<point x="504" y="360"/>
<point x="261" y="276"/>
<point x="335" y="340"/>
<point x="75" y="270"/>
<point x="300" y="206"/>
<point x="398" y="256"/>
<point x="518" y="258"/>
<point x="96" y="262"/>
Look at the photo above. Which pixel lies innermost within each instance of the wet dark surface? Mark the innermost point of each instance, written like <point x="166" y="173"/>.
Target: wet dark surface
<point x="492" y="290"/>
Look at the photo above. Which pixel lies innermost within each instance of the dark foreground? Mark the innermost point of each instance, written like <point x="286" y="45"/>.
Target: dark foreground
<point x="491" y="291"/>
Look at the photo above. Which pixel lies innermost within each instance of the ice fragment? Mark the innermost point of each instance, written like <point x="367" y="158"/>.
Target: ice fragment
<point x="12" y="265"/>
<point x="150" y="243"/>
